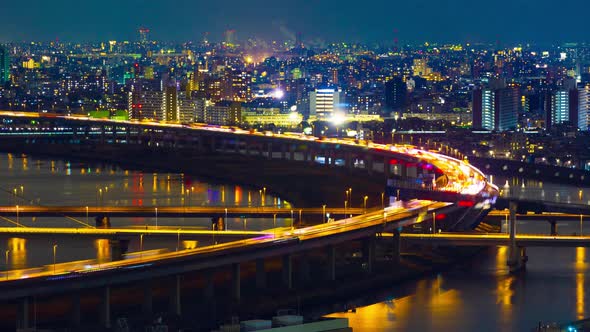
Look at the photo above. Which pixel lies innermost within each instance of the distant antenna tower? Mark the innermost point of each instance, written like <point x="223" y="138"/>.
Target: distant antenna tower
<point x="230" y="36"/>
<point x="206" y="37"/>
<point x="144" y="35"/>
<point x="299" y="40"/>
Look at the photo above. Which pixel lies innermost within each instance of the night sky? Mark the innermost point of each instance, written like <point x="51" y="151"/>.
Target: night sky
<point x="509" y="21"/>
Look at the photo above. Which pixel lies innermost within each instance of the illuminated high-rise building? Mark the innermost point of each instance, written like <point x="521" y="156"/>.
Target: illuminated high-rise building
<point x="496" y="107"/>
<point x="171" y="111"/>
<point x="396" y="92"/>
<point x="4" y="65"/>
<point x="323" y="103"/>
<point x="584" y="107"/>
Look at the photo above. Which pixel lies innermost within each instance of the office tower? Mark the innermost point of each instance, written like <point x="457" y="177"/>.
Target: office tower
<point x="230" y="37"/>
<point x="396" y="92"/>
<point x="584" y="107"/>
<point x="566" y="105"/>
<point x="323" y="103"/>
<point x="421" y="68"/>
<point x="496" y="106"/>
<point x="171" y="112"/>
<point x="4" y="65"/>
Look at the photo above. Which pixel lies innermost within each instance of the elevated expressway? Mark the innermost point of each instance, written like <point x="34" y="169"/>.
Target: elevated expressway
<point x="456" y="180"/>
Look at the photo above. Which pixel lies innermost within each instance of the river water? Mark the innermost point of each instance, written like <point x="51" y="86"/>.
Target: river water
<point x="484" y="296"/>
<point x="480" y="297"/>
<point x="27" y="180"/>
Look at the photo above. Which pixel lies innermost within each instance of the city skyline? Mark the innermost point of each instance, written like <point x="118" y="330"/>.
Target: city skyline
<point x="317" y="21"/>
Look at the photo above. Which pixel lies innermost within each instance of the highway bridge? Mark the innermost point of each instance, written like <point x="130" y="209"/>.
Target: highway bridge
<point x="454" y="180"/>
<point x="170" y="211"/>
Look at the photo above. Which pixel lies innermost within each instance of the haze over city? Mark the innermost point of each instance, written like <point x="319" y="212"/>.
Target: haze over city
<point x="380" y="21"/>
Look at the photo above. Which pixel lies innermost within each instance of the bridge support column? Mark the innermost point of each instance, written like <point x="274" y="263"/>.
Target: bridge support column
<point x="349" y="161"/>
<point x="148" y="299"/>
<point x="311" y="156"/>
<point x="118" y="249"/>
<point x="386" y="167"/>
<point x="333" y="156"/>
<point x="288" y="271"/>
<point x="175" y="298"/>
<point x="306" y="154"/>
<point x="283" y="152"/>
<point x="269" y="151"/>
<point x="327" y="155"/>
<point x="369" y="253"/>
<point x="75" y="312"/>
<point x="553" y="224"/>
<point x="291" y="152"/>
<point x="237" y="146"/>
<point x="213" y="144"/>
<point x="369" y="164"/>
<point x="236" y="281"/>
<point x="396" y="246"/>
<point x="209" y="291"/>
<point x="23" y="314"/>
<point x="331" y="266"/>
<point x="303" y="270"/>
<point x="260" y="274"/>
<point x="105" y="307"/>
<point x="514" y="252"/>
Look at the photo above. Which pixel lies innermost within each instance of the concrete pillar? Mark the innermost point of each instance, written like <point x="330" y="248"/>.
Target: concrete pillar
<point x="102" y="134"/>
<point x="553" y="224"/>
<point x="514" y="261"/>
<point x="213" y="143"/>
<point x="105" y="307"/>
<point x="236" y="281"/>
<point x="148" y="299"/>
<point x="288" y="271"/>
<point x="283" y="151"/>
<point x="128" y="135"/>
<point x="327" y="156"/>
<point x="175" y="297"/>
<point x="333" y="157"/>
<point x="260" y="149"/>
<point x="369" y="164"/>
<point x="291" y="152"/>
<point x="303" y="269"/>
<point x="209" y="285"/>
<point x="260" y="274"/>
<point x="331" y="264"/>
<point x="386" y="167"/>
<point x="306" y="154"/>
<point x="118" y="249"/>
<point x="349" y="161"/>
<point x="237" y="146"/>
<point x="269" y="151"/>
<point x="75" y="312"/>
<point x="23" y="314"/>
<point x="311" y="156"/>
<point x="396" y="246"/>
<point x="369" y="253"/>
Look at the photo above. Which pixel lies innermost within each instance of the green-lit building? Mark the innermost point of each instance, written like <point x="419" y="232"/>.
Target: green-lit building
<point x="4" y="65"/>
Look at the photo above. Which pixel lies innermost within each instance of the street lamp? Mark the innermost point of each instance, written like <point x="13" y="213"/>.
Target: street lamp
<point x="225" y="221"/>
<point x="300" y="211"/>
<point x="17" y="219"/>
<point x="345" y="205"/>
<point x="141" y="246"/>
<point x="274" y="220"/>
<point x="581" y="219"/>
<point x="324" y="213"/>
<point x="178" y="240"/>
<point x="291" y="219"/>
<point x="54" y="254"/>
<point x="383" y="200"/>
<point x="365" y="203"/>
<point x="87" y="214"/>
<point x="156" y="218"/>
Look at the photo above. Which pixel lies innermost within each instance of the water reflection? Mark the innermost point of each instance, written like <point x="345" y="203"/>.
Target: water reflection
<point x="103" y="250"/>
<point x="16" y="253"/>
<point x="580" y="267"/>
